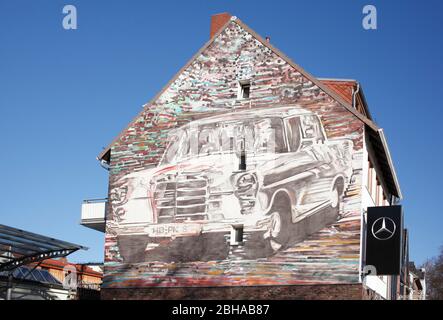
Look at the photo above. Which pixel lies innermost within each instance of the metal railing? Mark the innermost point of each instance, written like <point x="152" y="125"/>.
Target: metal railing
<point x="95" y="200"/>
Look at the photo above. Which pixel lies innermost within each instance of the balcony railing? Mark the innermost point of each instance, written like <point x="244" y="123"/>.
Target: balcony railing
<point x="94" y="214"/>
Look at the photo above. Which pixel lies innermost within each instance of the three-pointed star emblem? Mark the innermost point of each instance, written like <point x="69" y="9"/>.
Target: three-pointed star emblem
<point x="383" y="228"/>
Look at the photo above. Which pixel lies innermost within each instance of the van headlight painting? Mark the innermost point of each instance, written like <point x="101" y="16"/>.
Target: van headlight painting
<point x="246" y="187"/>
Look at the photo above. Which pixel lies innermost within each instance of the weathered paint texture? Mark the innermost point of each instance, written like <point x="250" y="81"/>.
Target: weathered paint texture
<point x="172" y="256"/>
<point x="299" y="292"/>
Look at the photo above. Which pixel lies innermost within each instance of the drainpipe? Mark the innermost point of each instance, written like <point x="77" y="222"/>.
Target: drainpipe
<point x="103" y="163"/>
<point x="354" y="94"/>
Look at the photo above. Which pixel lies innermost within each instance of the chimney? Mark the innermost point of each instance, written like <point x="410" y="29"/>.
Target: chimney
<point x="217" y="21"/>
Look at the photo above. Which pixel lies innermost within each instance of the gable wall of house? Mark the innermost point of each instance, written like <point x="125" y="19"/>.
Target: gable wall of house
<point x="208" y="86"/>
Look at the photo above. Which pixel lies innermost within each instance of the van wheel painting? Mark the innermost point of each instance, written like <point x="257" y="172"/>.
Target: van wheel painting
<point x="279" y="232"/>
<point x="335" y="198"/>
<point x="336" y="195"/>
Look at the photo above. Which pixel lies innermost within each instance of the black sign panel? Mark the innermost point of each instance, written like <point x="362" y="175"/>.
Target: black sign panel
<point x="384" y="232"/>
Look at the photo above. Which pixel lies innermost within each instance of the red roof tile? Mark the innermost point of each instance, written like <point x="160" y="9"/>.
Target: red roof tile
<point x="60" y="264"/>
<point x="342" y="87"/>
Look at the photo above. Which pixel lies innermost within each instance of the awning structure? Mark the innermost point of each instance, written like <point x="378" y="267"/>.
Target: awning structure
<point x="19" y="247"/>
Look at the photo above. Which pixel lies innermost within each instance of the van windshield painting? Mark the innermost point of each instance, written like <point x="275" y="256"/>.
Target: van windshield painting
<point x="258" y="135"/>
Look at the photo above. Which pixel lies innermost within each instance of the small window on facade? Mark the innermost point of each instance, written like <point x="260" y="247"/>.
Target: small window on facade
<point x="385" y="200"/>
<point x="370" y="178"/>
<point x="374" y="185"/>
<point x="236" y="235"/>
<point x="377" y="193"/>
<point x="382" y="200"/>
<point x="244" y="89"/>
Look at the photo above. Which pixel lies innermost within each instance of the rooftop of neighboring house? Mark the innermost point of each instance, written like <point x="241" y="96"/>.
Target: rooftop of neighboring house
<point x="418" y="272"/>
<point x="350" y="91"/>
<point x="60" y="264"/>
<point x="25" y="273"/>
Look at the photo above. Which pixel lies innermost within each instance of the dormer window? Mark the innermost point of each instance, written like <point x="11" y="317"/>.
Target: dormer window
<point x="244" y="89"/>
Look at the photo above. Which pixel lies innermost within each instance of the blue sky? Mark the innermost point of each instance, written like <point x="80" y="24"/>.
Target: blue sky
<point x="64" y="95"/>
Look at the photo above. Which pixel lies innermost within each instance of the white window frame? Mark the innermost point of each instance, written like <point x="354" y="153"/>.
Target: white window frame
<point x="241" y="85"/>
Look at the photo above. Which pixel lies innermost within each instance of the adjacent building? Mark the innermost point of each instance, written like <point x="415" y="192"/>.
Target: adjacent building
<point x="47" y="280"/>
<point x="245" y="177"/>
<point x="416" y="289"/>
<point x="34" y="267"/>
<point x="27" y="283"/>
<point x="87" y="276"/>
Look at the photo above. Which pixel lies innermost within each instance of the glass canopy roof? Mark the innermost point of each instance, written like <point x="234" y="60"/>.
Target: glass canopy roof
<point x="19" y="247"/>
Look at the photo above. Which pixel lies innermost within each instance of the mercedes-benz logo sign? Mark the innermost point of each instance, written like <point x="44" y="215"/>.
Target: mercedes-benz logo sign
<point x="383" y="228"/>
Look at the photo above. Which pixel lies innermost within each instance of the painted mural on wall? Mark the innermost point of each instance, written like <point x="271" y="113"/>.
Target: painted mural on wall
<point x="207" y="189"/>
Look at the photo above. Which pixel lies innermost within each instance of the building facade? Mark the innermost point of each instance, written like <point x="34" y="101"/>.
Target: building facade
<point x="27" y="283"/>
<point x="245" y="177"/>
<point x="47" y="280"/>
<point x="86" y="276"/>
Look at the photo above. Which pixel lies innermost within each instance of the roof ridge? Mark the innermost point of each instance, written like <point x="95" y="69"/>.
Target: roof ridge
<point x="336" y="79"/>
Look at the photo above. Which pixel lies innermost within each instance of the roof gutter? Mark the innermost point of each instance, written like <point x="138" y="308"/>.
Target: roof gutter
<point x="391" y="164"/>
